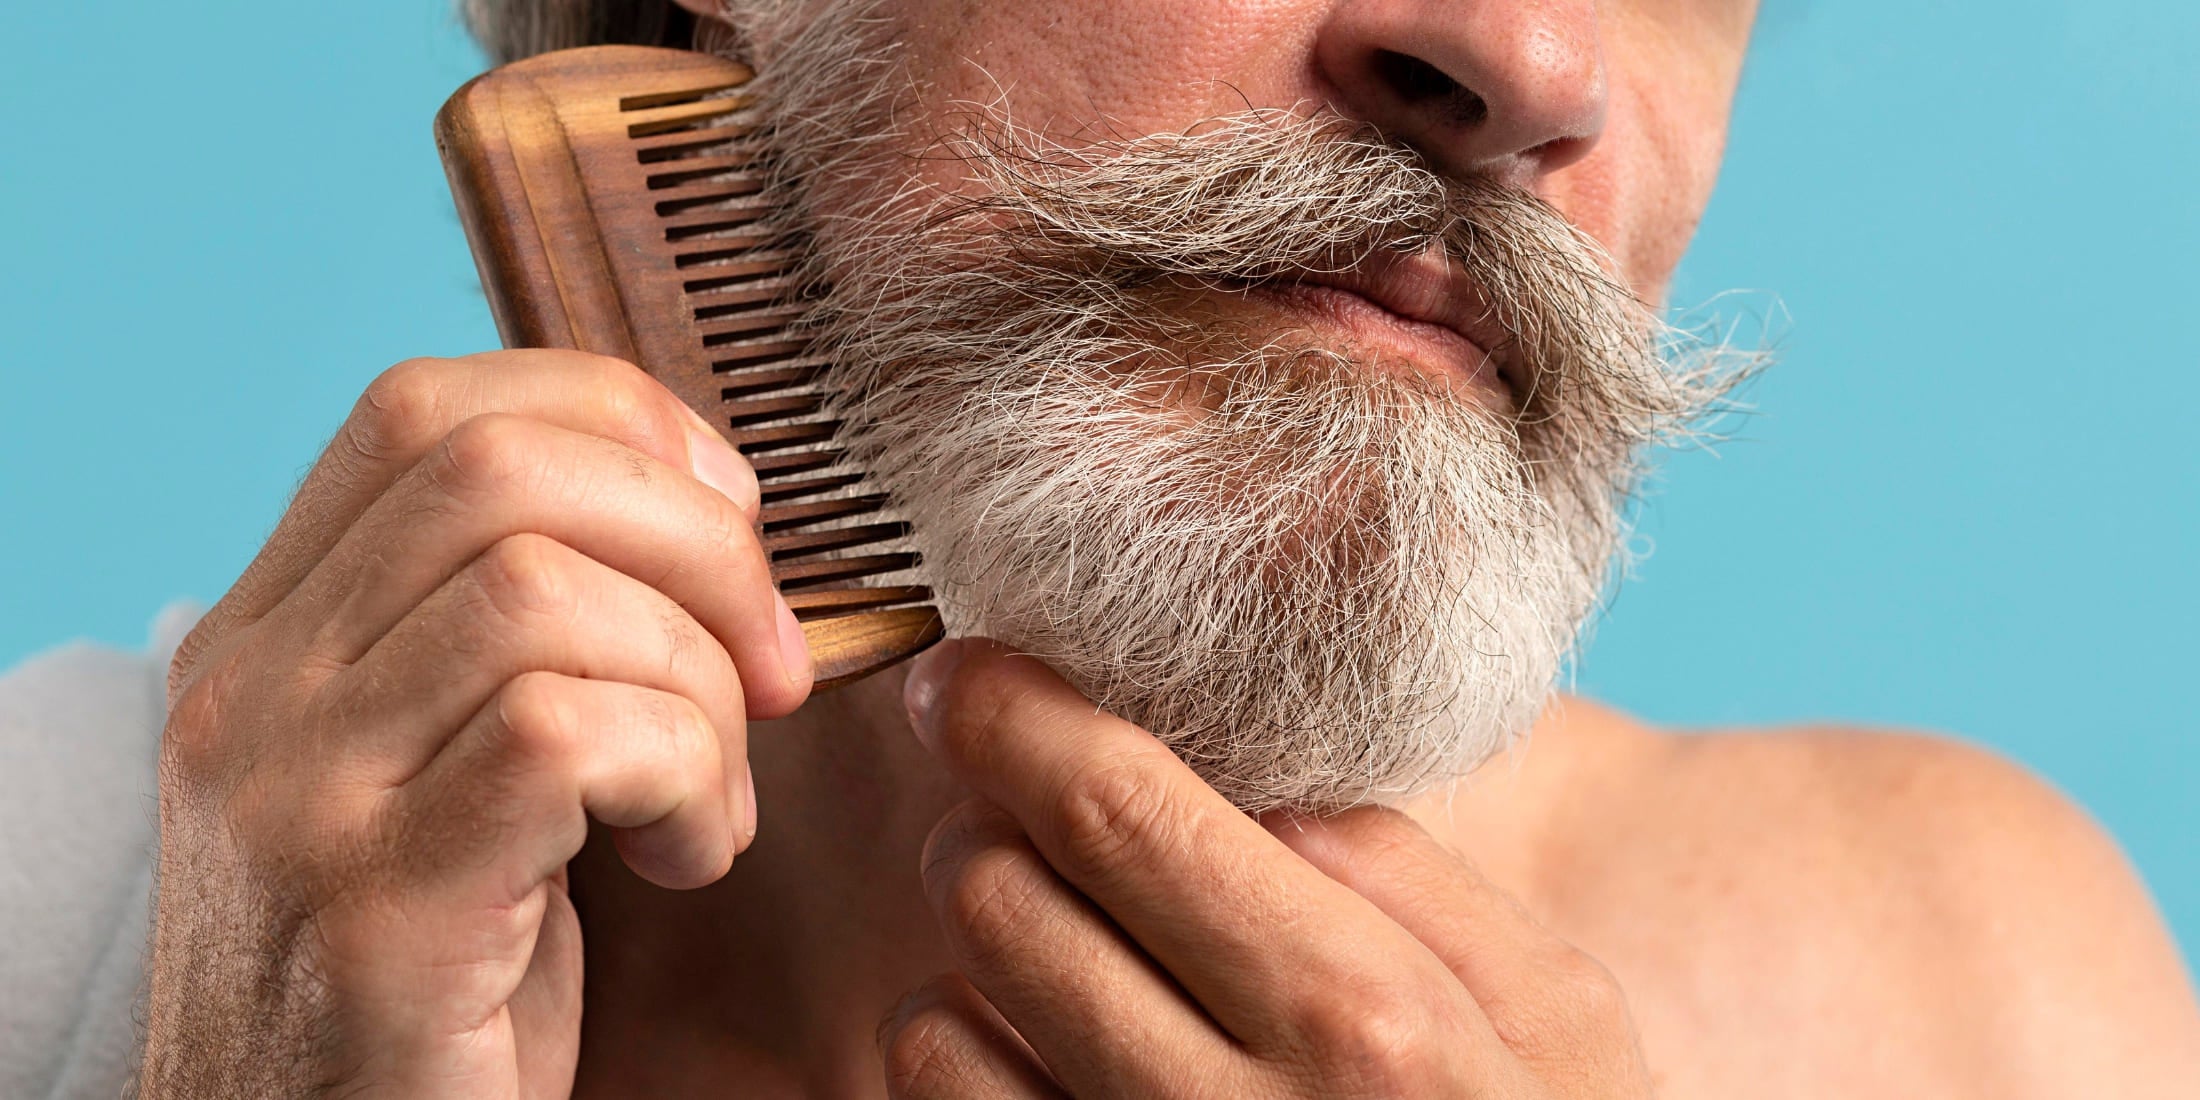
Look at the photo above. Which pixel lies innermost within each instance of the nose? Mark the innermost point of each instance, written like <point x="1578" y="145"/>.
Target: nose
<point x="1509" y="89"/>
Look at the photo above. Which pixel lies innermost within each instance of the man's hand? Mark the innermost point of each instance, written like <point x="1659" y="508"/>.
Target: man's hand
<point x="517" y="591"/>
<point x="1123" y="931"/>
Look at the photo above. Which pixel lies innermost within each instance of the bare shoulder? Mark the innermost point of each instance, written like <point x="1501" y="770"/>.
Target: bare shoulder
<point x="1919" y="907"/>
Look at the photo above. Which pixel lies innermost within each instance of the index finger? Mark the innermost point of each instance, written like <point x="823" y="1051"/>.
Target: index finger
<point x="412" y="406"/>
<point x="1246" y="926"/>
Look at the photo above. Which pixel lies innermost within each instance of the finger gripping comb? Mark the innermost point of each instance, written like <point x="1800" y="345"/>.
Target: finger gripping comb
<point x="615" y="200"/>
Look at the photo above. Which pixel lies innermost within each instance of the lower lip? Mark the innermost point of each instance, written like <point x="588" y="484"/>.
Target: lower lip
<point x="1429" y="347"/>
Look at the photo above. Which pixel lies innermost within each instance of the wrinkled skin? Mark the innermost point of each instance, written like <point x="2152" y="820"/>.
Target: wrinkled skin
<point x="521" y="592"/>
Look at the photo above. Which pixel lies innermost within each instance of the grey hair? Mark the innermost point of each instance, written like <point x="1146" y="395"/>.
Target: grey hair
<point x="512" y="29"/>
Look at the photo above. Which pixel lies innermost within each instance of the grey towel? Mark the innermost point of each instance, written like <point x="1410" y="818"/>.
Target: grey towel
<point x="79" y="741"/>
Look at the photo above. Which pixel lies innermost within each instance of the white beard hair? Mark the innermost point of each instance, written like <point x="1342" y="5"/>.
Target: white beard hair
<point x="1320" y="583"/>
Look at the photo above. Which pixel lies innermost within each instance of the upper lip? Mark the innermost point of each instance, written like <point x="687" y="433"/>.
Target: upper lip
<point x="1431" y="288"/>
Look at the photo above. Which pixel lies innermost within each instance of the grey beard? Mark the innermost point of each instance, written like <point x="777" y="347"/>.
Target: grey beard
<point x="1320" y="580"/>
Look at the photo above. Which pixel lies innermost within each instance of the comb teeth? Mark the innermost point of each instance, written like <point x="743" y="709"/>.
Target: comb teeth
<point x="621" y="200"/>
<point x="678" y="111"/>
<point x="757" y="353"/>
<point x="756" y="410"/>
<point x="719" y="226"/>
<point x="755" y="380"/>
<point x="810" y="574"/>
<point x="698" y="169"/>
<point x="795" y="515"/>
<point x="782" y="490"/>
<point x="830" y="602"/>
<point x="731" y="326"/>
<point x="675" y="144"/>
<point x="727" y="276"/>
<point x="803" y="544"/>
<point x="768" y="467"/>
<point x="736" y="298"/>
<point x="780" y="436"/>
<point x="706" y="171"/>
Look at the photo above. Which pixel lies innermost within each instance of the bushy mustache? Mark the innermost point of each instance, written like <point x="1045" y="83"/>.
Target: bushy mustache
<point x="1269" y="195"/>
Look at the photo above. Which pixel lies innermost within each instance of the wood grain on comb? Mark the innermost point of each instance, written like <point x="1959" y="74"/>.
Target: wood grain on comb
<point x="614" y="200"/>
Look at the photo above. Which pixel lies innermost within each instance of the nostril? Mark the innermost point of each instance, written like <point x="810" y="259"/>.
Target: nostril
<point x="1560" y="152"/>
<point x="1421" y="84"/>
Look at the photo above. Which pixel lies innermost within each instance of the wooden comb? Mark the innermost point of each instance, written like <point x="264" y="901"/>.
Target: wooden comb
<point x="615" y="200"/>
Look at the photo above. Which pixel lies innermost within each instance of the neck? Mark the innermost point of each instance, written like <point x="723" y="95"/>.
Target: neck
<point x="791" y="960"/>
<point x="777" y="976"/>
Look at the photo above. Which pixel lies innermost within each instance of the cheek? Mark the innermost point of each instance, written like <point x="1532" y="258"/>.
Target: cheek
<point x="1643" y="189"/>
<point x="1139" y="66"/>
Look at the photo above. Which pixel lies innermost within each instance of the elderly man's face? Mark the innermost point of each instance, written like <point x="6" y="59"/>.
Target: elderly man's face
<point x="1275" y="371"/>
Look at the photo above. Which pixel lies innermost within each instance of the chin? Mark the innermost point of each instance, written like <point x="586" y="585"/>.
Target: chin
<point x="1325" y="589"/>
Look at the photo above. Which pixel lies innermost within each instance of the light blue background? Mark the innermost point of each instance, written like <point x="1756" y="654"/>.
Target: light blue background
<point x="1969" y="499"/>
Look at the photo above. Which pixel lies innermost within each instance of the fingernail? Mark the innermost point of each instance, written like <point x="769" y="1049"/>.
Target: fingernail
<point x="890" y="1024"/>
<point x="716" y="464"/>
<point x="928" y="675"/>
<point x="748" y="814"/>
<point x="794" y="649"/>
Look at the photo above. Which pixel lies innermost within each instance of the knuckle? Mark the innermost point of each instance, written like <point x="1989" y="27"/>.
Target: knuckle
<point x="679" y="719"/>
<point x="1368" y="1044"/>
<point x="538" y="720"/>
<point x="490" y="453"/>
<point x="729" y="530"/>
<point x="1593" y="993"/>
<point x="1107" y="808"/>
<point x="684" y="640"/>
<point x="623" y="401"/>
<point x="528" y="576"/>
<point x="636" y="407"/>
<point x="195" y="739"/>
<point x="1576" y="1005"/>
<point x="926" y="1054"/>
<point x="202" y="638"/>
<point x="399" y="408"/>
<point x="597" y="370"/>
